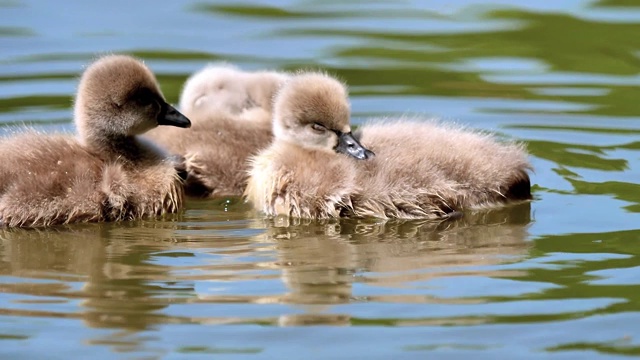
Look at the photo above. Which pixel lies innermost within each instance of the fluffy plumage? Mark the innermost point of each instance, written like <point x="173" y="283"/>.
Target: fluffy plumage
<point x="106" y="172"/>
<point x="422" y="169"/>
<point x="224" y="87"/>
<point x="231" y="113"/>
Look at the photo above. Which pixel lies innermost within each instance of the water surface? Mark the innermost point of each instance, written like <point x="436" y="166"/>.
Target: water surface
<point x="557" y="277"/>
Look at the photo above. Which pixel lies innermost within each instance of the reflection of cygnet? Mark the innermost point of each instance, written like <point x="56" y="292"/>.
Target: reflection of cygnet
<point x="92" y="267"/>
<point x="321" y="262"/>
<point x="231" y="114"/>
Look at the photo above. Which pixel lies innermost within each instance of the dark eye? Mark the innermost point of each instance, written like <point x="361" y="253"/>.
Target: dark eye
<point x="318" y="128"/>
<point x="145" y="98"/>
<point x="144" y="101"/>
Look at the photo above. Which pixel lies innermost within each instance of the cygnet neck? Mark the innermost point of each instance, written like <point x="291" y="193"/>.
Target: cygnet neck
<point x="115" y="146"/>
<point x="111" y="146"/>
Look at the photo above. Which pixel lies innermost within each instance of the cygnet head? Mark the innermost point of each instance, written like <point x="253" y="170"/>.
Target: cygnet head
<point x="224" y="87"/>
<point x="311" y="110"/>
<point x="118" y="96"/>
<point x="217" y="86"/>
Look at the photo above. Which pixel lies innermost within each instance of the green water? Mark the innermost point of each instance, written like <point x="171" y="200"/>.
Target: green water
<point x="557" y="277"/>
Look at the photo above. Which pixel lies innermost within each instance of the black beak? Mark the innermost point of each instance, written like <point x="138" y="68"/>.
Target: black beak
<point x="348" y="145"/>
<point x="170" y="116"/>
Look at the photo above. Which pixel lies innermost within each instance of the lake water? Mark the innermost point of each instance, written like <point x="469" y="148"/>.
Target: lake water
<point x="557" y="277"/>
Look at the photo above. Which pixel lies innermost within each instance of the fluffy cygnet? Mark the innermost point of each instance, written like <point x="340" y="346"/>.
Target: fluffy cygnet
<point x="106" y="172"/>
<point x="231" y="113"/>
<point x="315" y="167"/>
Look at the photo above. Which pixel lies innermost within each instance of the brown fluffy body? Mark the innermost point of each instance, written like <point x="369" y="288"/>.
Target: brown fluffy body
<point x="215" y="151"/>
<point x="106" y="173"/>
<point x="422" y="169"/>
<point x="231" y="114"/>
